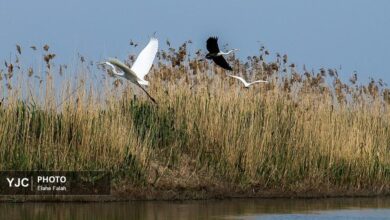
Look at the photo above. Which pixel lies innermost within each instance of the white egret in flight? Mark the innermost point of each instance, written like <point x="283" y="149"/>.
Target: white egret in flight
<point x="217" y="55"/>
<point x="246" y="84"/>
<point x="136" y="74"/>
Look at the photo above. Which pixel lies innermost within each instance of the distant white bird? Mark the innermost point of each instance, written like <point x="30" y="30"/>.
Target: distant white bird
<point x="216" y="54"/>
<point x="140" y="68"/>
<point x="246" y="84"/>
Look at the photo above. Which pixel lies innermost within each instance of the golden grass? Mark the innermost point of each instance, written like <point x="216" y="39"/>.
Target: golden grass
<point x="294" y="134"/>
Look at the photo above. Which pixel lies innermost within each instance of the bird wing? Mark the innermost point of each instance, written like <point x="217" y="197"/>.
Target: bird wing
<point x="212" y="45"/>
<point x="258" y="81"/>
<point x="144" y="61"/>
<point x="220" y="61"/>
<point x="239" y="78"/>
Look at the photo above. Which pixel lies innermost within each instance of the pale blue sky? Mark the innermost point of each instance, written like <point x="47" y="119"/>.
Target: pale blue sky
<point x="353" y="34"/>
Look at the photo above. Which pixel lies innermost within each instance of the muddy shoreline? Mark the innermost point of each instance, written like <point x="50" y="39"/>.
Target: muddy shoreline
<point x="180" y="194"/>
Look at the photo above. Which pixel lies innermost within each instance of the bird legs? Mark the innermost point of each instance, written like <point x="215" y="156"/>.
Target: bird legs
<point x="151" y="98"/>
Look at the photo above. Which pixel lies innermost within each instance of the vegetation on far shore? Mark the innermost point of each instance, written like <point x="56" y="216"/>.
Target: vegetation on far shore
<point x="303" y="131"/>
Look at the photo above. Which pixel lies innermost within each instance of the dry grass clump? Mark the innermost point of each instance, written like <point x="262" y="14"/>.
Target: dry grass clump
<point x="302" y="131"/>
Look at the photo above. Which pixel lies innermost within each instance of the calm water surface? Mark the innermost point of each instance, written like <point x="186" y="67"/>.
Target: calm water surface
<point x="361" y="208"/>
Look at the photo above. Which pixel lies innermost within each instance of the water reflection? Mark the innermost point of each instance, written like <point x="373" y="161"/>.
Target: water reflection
<point x="211" y="209"/>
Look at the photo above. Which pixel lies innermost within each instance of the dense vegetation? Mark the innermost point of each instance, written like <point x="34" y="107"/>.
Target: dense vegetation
<point x="303" y="131"/>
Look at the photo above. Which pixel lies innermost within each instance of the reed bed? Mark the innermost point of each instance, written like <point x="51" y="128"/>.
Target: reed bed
<point x="304" y="131"/>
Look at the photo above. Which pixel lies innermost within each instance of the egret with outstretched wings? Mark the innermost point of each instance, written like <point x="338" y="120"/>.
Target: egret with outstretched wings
<point x="136" y="74"/>
<point x="246" y="84"/>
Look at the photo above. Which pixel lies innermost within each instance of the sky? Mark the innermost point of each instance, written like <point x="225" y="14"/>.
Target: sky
<point x="349" y="34"/>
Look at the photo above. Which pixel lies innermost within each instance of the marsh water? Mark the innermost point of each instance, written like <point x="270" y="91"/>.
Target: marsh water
<point x="357" y="208"/>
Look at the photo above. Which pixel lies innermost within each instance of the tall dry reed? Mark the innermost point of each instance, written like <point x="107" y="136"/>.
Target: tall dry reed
<point x="302" y="131"/>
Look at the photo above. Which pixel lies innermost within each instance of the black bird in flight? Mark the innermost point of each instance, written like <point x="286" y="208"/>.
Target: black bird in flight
<point x="216" y="55"/>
